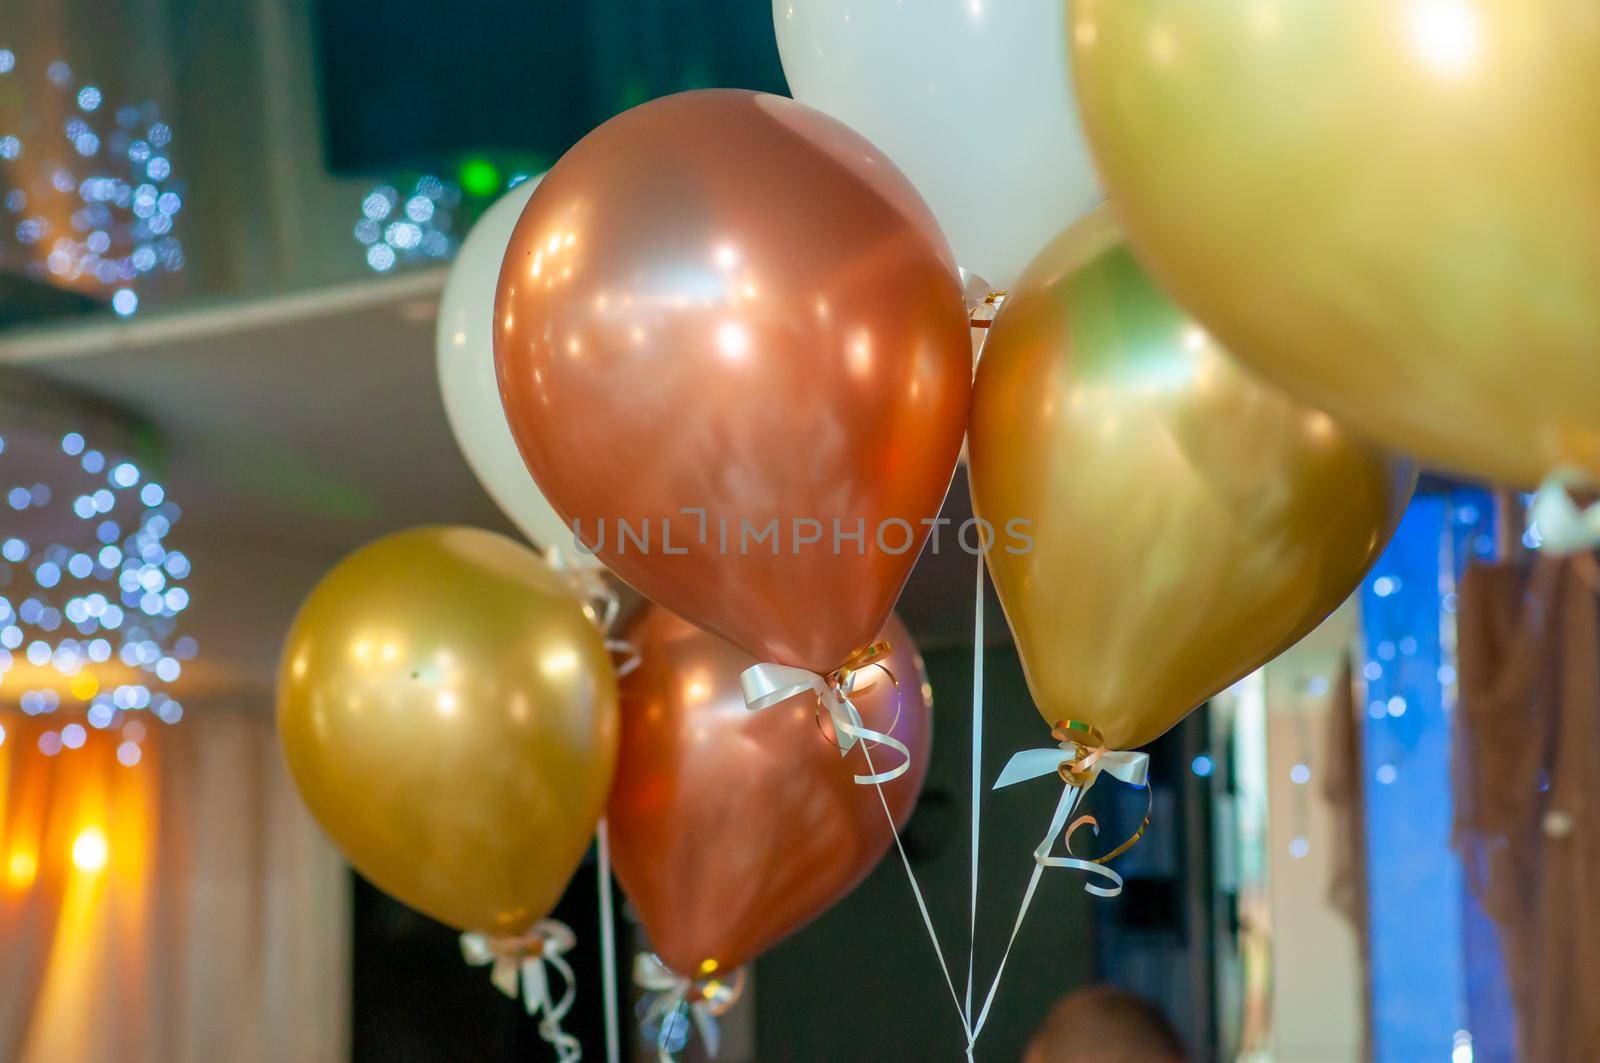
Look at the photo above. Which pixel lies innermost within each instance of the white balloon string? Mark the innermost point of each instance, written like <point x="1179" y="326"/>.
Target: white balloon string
<point x="608" y="944"/>
<point x="765" y="685"/>
<point x="1069" y="799"/>
<point x="977" y="786"/>
<point x="916" y="891"/>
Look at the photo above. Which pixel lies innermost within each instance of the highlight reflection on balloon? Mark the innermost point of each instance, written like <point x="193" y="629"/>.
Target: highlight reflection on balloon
<point x="1189" y="522"/>
<point x="731" y="829"/>
<point x="449" y="715"/>
<point x="725" y="311"/>
<point x="1387" y="205"/>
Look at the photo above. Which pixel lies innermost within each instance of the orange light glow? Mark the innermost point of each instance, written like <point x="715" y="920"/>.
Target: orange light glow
<point x="89" y="850"/>
<point x="21" y="869"/>
<point x="77" y="834"/>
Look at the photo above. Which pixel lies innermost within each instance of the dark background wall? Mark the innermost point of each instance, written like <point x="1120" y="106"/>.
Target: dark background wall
<point x="405" y="83"/>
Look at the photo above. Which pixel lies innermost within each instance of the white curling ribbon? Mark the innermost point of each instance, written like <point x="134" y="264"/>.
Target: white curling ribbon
<point x="1131" y="768"/>
<point x="600" y="603"/>
<point x="766" y="685"/>
<point x="667" y="992"/>
<point x="519" y="963"/>
<point x="1564" y="528"/>
<point x="589" y="586"/>
<point x="626" y="655"/>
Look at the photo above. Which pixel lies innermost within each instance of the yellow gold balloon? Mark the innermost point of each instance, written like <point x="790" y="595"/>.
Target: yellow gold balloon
<point x="450" y="716"/>
<point x="1388" y="206"/>
<point x="1185" y="522"/>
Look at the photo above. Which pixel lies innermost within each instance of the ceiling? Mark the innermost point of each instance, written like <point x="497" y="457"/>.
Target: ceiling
<point x="291" y="430"/>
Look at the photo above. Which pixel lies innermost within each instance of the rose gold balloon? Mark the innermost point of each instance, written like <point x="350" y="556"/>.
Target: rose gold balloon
<point x="723" y="314"/>
<point x="731" y="829"/>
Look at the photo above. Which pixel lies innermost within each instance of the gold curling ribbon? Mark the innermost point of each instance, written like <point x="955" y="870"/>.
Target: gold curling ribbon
<point x="1086" y="746"/>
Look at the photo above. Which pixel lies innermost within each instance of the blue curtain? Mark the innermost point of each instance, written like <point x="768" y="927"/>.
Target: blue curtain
<point x="1438" y="985"/>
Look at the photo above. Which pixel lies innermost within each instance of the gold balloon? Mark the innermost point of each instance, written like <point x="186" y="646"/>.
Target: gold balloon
<point x="1187" y="521"/>
<point x="1389" y="206"/>
<point x="450" y="716"/>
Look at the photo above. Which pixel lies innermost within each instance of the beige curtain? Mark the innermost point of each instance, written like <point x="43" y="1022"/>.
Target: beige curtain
<point x="1527" y="788"/>
<point x="179" y="909"/>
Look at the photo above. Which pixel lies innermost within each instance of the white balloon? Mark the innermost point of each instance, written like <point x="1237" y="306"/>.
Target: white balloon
<point x="471" y="392"/>
<point x="971" y="98"/>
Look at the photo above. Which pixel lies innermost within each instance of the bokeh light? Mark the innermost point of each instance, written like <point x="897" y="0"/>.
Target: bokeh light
<point x="89" y="850"/>
<point x="398" y="228"/>
<point x="89" y="194"/>
<point x="90" y="607"/>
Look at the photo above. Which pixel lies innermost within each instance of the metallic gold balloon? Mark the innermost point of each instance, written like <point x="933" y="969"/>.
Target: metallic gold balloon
<point x="725" y="311"/>
<point x="731" y="829"/>
<point x="449" y="715"/>
<point x="1389" y="206"/>
<point x="1187" y="521"/>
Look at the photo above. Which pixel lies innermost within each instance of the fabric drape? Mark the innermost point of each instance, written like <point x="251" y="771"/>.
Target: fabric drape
<point x="181" y="909"/>
<point x="1527" y="754"/>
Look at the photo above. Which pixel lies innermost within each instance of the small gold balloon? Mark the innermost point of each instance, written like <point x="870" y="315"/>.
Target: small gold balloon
<point x="1187" y="521"/>
<point x="450" y="717"/>
<point x="1389" y="206"/>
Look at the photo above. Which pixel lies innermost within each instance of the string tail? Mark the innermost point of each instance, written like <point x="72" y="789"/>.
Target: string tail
<point x="1079" y="759"/>
<point x="977" y="789"/>
<point x="608" y="943"/>
<point x="521" y="966"/>
<point x="766" y="685"/>
<point x="922" y="904"/>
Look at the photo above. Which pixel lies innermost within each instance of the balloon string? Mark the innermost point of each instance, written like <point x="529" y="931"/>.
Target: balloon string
<point x="1069" y="799"/>
<point x="1071" y="795"/>
<point x="977" y="788"/>
<point x="1022" y="913"/>
<point x="981" y="316"/>
<point x="608" y="943"/>
<point x="916" y="891"/>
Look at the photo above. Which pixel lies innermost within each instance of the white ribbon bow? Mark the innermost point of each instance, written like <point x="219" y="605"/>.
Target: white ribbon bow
<point x="766" y="685"/>
<point x="1563" y="527"/>
<point x="521" y="960"/>
<point x="667" y="994"/>
<point x="1131" y="768"/>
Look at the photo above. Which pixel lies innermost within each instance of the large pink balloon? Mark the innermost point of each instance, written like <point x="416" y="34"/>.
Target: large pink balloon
<point x="731" y="304"/>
